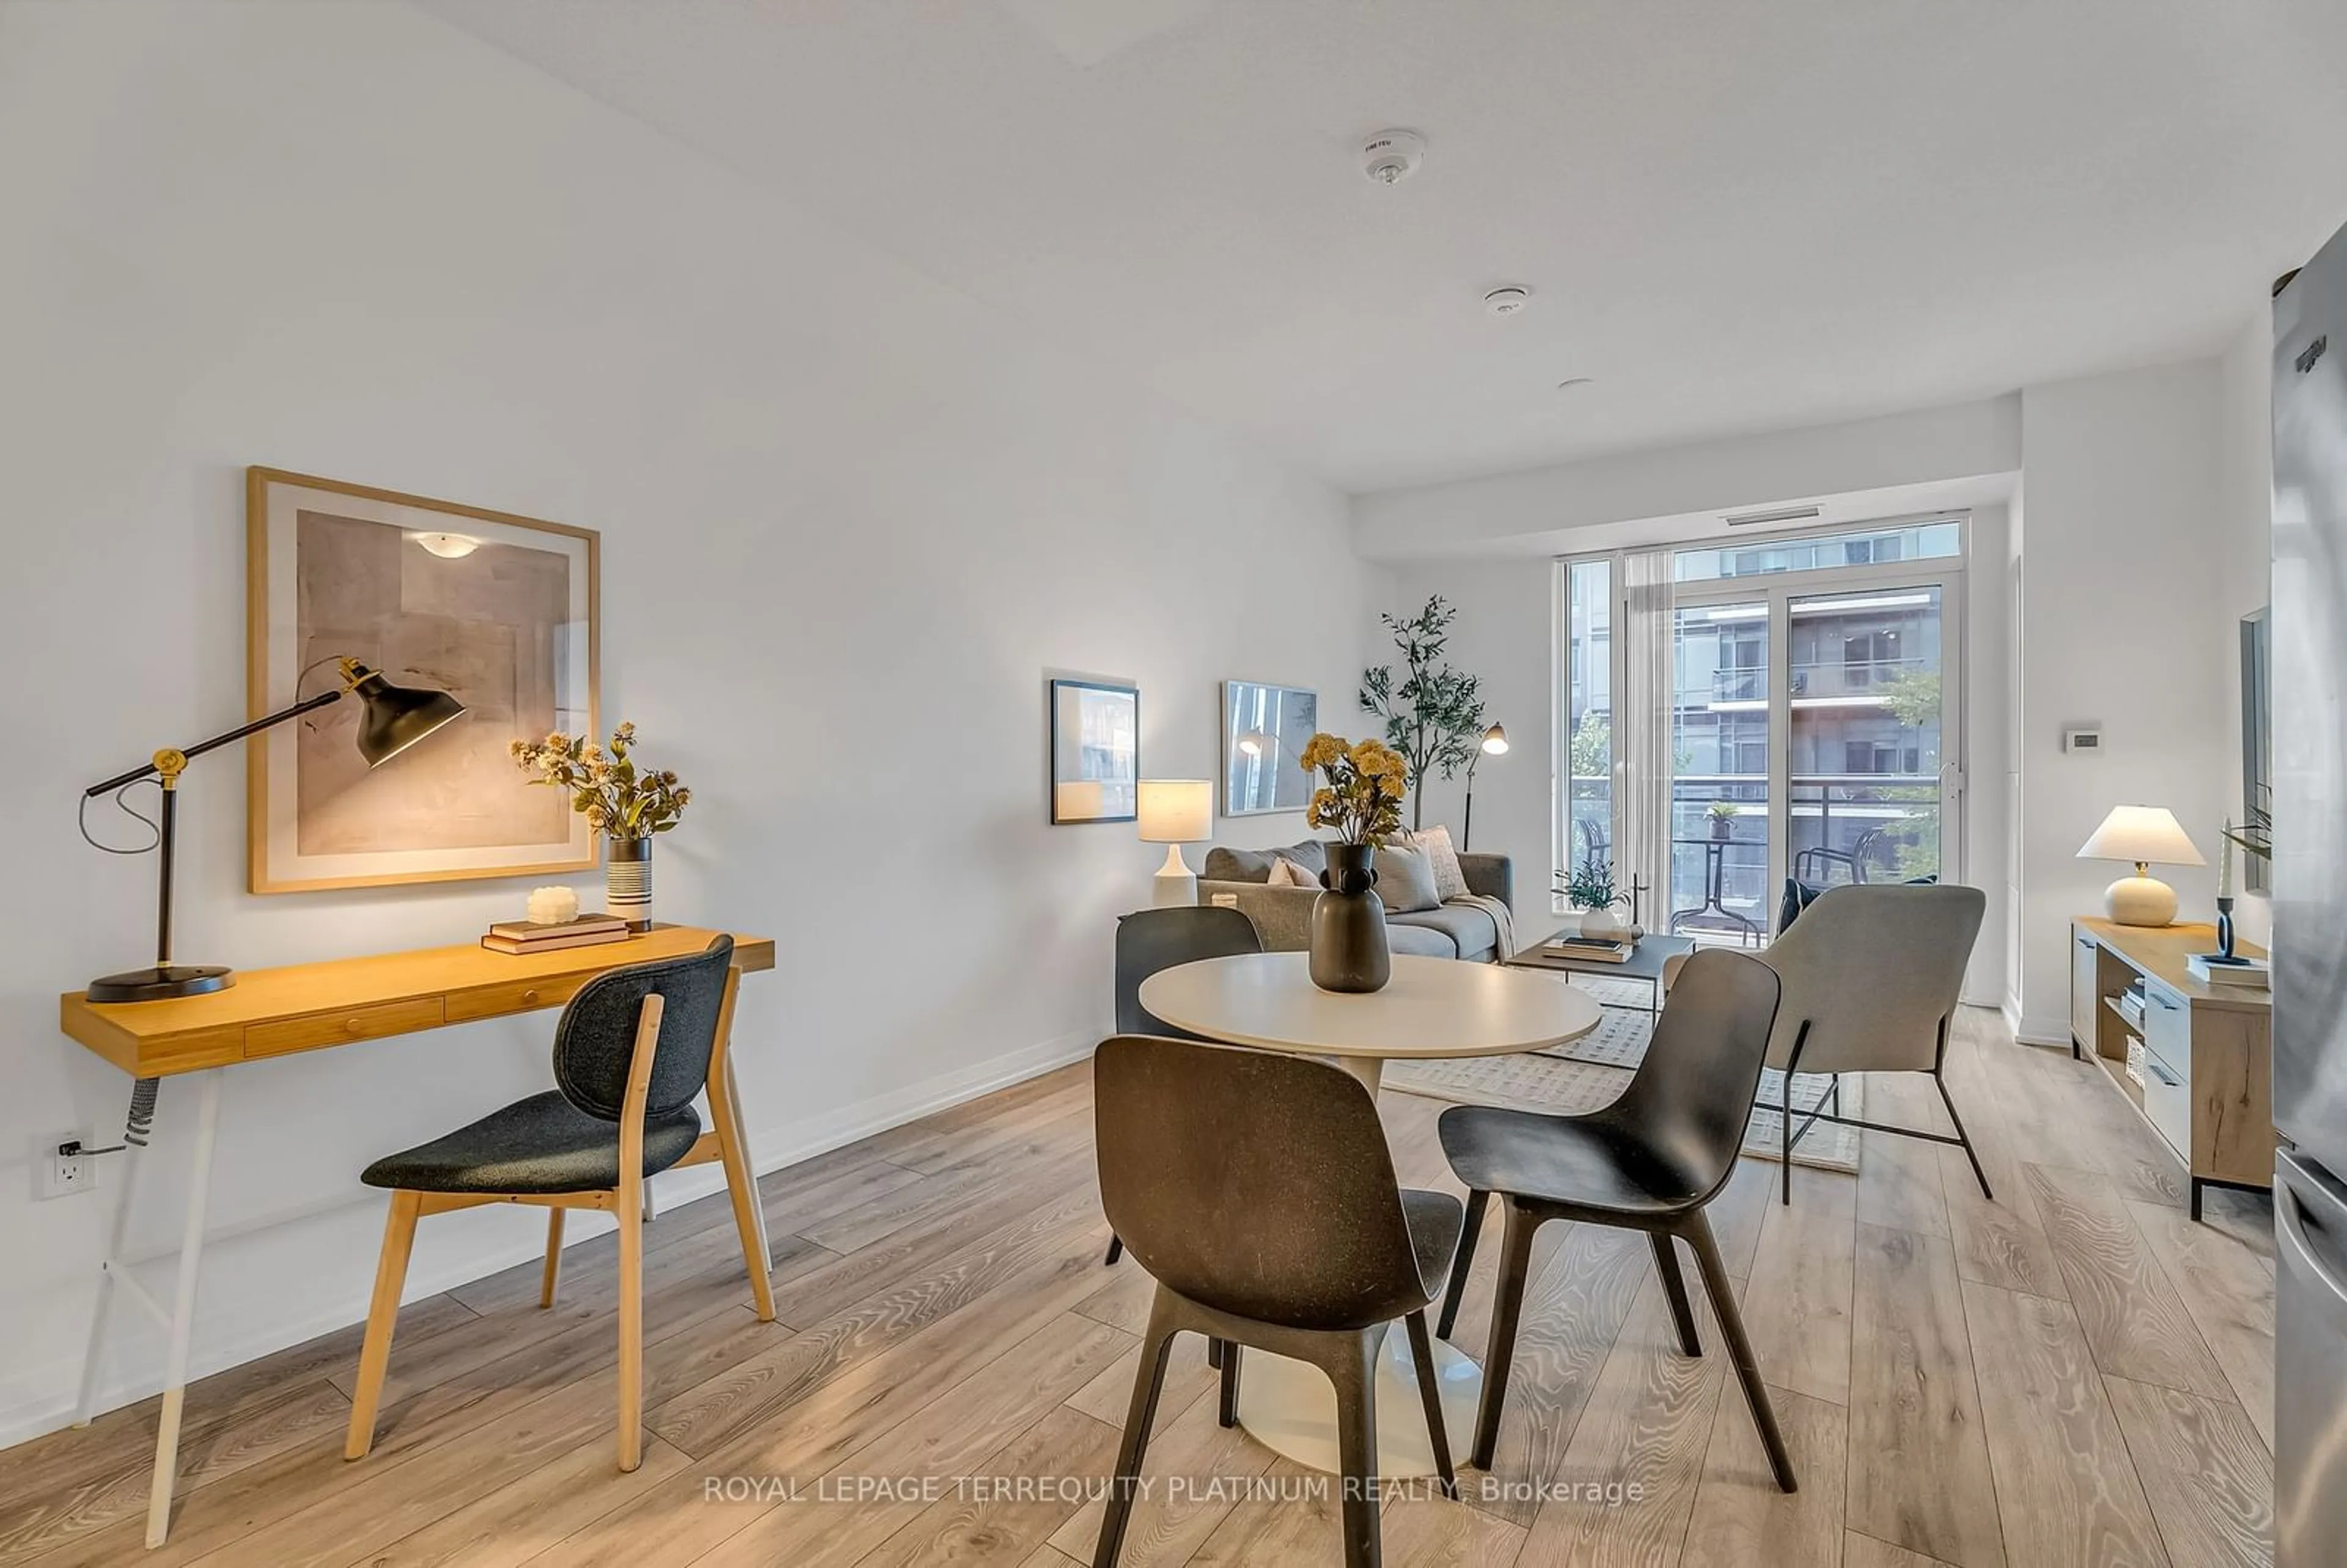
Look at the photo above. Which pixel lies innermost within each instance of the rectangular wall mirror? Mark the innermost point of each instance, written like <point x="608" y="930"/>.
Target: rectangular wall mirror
<point x="1264" y="732"/>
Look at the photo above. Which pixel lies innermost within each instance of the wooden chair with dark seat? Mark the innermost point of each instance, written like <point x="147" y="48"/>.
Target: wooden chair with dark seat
<point x="1153" y="939"/>
<point x="633" y="1047"/>
<point x="1651" y="1161"/>
<point x="1258" y="1190"/>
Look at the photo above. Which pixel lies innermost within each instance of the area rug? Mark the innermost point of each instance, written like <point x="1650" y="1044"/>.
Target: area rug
<point x="1593" y="1070"/>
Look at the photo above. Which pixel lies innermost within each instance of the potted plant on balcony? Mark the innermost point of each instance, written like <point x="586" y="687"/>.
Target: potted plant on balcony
<point x="1723" y="814"/>
<point x="1590" y="890"/>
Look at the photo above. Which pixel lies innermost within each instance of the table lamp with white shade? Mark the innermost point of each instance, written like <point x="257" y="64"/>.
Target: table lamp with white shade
<point x="2147" y="836"/>
<point x="1175" y="812"/>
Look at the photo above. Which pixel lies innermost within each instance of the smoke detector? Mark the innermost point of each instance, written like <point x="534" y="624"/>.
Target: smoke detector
<point x="1391" y="156"/>
<point x="1507" y="302"/>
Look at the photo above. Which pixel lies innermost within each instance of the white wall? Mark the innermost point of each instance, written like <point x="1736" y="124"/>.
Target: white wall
<point x="1673" y="493"/>
<point x="849" y="520"/>
<point x="2122" y="626"/>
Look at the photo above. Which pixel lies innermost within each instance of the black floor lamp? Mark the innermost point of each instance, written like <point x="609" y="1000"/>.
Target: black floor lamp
<point x="1495" y="744"/>
<point x="394" y="718"/>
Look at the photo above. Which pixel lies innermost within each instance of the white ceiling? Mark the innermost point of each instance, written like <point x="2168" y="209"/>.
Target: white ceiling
<point x="1736" y="215"/>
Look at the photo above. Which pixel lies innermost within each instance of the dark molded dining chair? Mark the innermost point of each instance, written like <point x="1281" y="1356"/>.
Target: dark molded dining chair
<point x="1651" y="1161"/>
<point x="632" y="1049"/>
<point x="1155" y="940"/>
<point x="1256" y="1188"/>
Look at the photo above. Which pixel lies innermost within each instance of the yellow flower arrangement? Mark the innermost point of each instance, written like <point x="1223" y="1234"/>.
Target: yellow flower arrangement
<point x="606" y="787"/>
<point x="1361" y="796"/>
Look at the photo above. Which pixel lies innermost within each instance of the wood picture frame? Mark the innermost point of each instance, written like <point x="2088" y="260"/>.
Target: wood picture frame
<point x="501" y="609"/>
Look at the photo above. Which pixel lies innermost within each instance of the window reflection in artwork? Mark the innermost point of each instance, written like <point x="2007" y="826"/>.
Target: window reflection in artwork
<point x="1265" y="729"/>
<point x="1095" y="751"/>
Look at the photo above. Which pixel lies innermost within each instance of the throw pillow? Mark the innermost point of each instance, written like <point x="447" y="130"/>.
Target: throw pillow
<point x="1799" y="896"/>
<point x="1286" y="873"/>
<point x="1406" y="880"/>
<point x="1450" y="879"/>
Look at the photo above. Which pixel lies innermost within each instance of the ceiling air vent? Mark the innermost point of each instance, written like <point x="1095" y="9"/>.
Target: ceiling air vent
<point x="1781" y="514"/>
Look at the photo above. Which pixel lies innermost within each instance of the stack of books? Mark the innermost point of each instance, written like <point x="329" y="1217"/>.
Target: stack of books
<point x="2250" y="974"/>
<point x="2130" y="1002"/>
<point x="1593" y="949"/>
<point x="524" y="937"/>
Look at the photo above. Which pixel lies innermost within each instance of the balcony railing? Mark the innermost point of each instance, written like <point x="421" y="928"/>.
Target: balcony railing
<point x="1816" y="678"/>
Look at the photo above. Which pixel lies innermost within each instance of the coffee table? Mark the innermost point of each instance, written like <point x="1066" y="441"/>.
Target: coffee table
<point x="1644" y="963"/>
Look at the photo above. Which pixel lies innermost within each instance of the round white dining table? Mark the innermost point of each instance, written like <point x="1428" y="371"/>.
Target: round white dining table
<point x="1431" y="1009"/>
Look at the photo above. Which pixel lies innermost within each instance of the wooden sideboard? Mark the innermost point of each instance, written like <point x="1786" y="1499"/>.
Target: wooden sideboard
<point x="2208" y="1088"/>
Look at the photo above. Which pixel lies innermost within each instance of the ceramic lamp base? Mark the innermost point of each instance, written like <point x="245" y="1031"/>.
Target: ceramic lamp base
<point x="2140" y="901"/>
<point x="1176" y="887"/>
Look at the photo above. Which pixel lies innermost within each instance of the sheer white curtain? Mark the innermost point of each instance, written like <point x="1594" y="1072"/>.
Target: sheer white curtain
<point x="1644" y="733"/>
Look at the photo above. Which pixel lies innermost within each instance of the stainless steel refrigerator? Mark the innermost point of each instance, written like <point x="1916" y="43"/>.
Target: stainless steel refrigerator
<point x="2309" y="738"/>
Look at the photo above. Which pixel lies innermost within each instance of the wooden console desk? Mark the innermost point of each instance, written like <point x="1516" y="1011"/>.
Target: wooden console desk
<point x="271" y="1013"/>
<point x="2208" y="1088"/>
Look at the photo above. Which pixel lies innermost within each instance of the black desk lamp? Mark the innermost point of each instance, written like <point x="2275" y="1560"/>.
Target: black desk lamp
<point x="395" y="718"/>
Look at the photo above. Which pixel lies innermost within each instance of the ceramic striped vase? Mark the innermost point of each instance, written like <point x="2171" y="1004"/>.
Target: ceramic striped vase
<point x="628" y="882"/>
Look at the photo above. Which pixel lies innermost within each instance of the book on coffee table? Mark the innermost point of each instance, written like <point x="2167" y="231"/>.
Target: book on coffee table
<point x="1594" y="949"/>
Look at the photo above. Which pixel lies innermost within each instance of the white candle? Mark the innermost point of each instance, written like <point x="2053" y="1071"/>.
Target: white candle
<point x="2225" y="861"/>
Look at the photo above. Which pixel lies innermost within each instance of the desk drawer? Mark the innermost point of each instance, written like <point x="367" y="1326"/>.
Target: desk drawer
<point x="313" y="1031"/>
<point x="512" y="996"/>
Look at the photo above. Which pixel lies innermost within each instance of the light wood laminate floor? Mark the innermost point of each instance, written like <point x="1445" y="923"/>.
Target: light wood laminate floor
<point x="2074" y="1374"/>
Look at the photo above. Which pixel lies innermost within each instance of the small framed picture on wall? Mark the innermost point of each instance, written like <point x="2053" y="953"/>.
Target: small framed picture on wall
<point x="1095" y="751"/>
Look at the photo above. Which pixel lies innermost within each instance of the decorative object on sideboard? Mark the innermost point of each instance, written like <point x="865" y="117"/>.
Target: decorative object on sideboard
<point x="1360" y="800"/>
<point x="1095" y="749"/>
<point x="391" y="720"/>
<point x="625" y="802"/>
<point x="1175" y="812"/>
<point x="2144" y="835"/>
<point x="1433" y="715"/>
<point x="1493" y="744"/>
<point x="554" y="905"/>
<point x="499" y="611"/>
<point x="1722" y="814"/>
<point x="1263" y="729"/>
<point x="1589" y="886"/>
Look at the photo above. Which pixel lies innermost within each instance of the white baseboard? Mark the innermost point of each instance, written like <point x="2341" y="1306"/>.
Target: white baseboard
<point x="2044" y="1032"/>
<point x="28" y="1411"/>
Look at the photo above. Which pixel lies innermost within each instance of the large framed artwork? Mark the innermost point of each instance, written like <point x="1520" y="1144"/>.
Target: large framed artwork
<point x="1095" y="751"/>
<point x="1265" y="729"/>
<point x="500" y="610"/>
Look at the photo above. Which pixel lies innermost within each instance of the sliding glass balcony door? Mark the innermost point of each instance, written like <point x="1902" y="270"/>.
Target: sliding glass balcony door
<point x="1867" y="714"/>
<point x="1722" y="827"/>
<point x="1814" y="719"/>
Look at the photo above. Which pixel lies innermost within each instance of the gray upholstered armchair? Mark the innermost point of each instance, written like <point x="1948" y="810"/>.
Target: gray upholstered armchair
<point x="1872" y="974"/>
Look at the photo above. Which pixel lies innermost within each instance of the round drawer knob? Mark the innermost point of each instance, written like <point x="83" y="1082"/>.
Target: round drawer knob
<point x="529" y="996"/>
<point x="355" y="1025"/>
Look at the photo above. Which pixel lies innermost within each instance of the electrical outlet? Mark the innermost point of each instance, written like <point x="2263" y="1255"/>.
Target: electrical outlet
<point x="62" y="1175"/>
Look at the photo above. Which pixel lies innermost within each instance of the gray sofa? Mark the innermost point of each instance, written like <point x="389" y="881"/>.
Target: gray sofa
<point x="1283" y="916"/>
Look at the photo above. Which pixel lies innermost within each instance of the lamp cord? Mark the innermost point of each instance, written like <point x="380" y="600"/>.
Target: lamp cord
<point x="128" y="810"/>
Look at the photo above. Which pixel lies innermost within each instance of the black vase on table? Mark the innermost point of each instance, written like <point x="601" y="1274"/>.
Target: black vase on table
<point x="1348" y="923"/>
